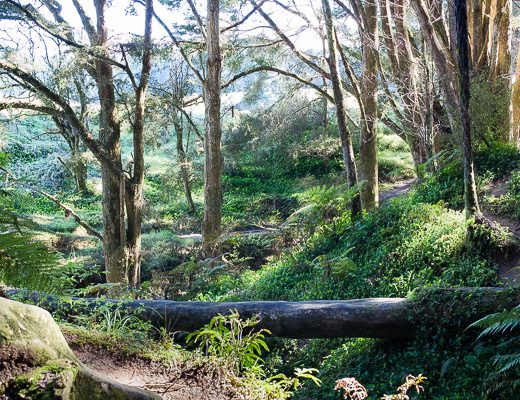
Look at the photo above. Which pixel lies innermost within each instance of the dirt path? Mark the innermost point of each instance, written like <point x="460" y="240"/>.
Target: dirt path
<point x="387" y="193"/>
<point x="395" y="190"/>
<point x="509" y="262"/>
<point x="178" y="381"/>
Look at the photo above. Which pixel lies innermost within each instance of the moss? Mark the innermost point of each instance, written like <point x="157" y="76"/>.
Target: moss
<point x="33" y="329"/>
<point x="51" y="370"/>
<point x="53" y="380"/>
<point x="440" y="311"/>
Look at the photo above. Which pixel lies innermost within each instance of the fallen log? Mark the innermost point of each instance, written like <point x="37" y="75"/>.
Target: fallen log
<point x="387" y="318"/>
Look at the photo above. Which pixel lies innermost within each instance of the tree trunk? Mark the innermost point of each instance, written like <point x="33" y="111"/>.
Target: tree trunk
<point x="184" y="164"/>
<point x="339" y="99"/>
<point x="368" y="137"/>
<point x="213" y="162"/>
<point x="114" y="235"/>
<point x="134" y="190"/>
<point x="79" y="168"/>
<point x="470" y="189"/>
<point x="501" y="41"/>
<point x="515" y="103"/>
<point x="388" y="318"/>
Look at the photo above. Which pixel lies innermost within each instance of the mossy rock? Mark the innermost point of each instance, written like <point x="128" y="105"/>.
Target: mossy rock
<point x="36" y="362"/>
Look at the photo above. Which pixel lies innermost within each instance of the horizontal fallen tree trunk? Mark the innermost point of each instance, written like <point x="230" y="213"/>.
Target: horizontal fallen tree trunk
<point x="387" y="318"/>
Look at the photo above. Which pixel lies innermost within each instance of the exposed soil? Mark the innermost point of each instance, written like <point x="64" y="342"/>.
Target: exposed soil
<point x="395" y="190"/>
<point x="509" y="261"/>
<point x="14" y="362"/>
<point x="178" y="381"/>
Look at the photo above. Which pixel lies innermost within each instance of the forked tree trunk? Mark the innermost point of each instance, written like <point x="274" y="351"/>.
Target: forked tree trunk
<point x="470" y="189"/>
<point x="213" y="162"/>
<point x="368" y="137"/>
<point x="339" y="99"/>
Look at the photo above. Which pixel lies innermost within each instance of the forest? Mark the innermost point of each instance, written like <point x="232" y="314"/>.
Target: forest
<point x="259" y="199"/>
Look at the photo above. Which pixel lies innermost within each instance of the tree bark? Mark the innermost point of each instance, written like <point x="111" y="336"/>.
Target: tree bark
<point x="339" y="100"/>
<point x="470" y="188"/>
<point x="368" y="138"/>
<point x="184" y="163"/>
<point x="213" y="161"/>
<point x="500" y="63"/>
<point x="113" y="201"/>
<point x="134" y="190"/>
<point x="79" y="167"/>
<point x="387" y="318"/>
<point x="515" y="103"/>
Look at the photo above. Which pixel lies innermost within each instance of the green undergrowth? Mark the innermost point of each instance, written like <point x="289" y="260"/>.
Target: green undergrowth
<point x="509" y="203"/>
<point x="389" y="252"/>
<point x="446" y="184"/>
<point x="404" y="245"/>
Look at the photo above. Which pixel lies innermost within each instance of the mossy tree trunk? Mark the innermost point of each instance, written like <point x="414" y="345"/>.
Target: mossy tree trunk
<point x="368" y="167"/>
<point x="470" y="188"/>
<point x="213" y="161"/>
<point x="339" y="99"/>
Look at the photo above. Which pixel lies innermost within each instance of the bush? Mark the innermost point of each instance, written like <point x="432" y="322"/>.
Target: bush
<point x="498" y="159"/>
<point x="510" y="202"/>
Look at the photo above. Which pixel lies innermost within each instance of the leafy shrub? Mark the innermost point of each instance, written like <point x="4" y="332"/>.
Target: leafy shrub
<point x="446" y="184"/>
<point x="235" y="342"/>
<point x="489" y="106"/>
<point x="231" y="338"/>
<point x="510" y="202"/>
<point x="389" y="252"/>
<point x="498" y="159"/>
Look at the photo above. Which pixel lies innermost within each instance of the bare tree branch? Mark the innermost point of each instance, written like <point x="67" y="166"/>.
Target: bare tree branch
<point x="281" y="72"/>
<point x="289" y="43"/>
<point x="68" y="210"/>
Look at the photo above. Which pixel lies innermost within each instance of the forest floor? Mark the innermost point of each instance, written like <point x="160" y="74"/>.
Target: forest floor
<point x="509" y="262"/>
<point x="388" y="191"/>
<point x="177" y="381"/>
<point x="395" y="189"/>
<point x="190" y="381"/>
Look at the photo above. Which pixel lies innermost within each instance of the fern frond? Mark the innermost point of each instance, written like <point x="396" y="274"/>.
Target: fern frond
<point x="25" y="263"/>
<point x="508" y="362"/>
<point x="499" y="323"/>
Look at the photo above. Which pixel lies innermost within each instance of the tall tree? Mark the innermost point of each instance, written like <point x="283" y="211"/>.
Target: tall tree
<point x="122" y="222"/>
<point x="462" y="40"/>
<point x="134" y="185"/>
<point x="339" y="100"/>
<point x="213" y="162"/>
<point x="368" y="167"/>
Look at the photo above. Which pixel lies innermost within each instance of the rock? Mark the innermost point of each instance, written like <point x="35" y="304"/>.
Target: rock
<point x="37" y="363"/>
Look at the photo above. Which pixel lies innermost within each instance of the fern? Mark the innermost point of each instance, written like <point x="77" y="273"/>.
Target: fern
<point x="500" y="324"/>
<point x="24" y="263"/>
<point x="27" y="264"/>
